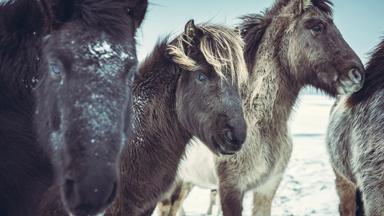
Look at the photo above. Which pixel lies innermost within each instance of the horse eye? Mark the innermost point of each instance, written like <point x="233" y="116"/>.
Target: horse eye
<point x="318" y="28"/>
<point x="54" y="69"/>
<point x="202" y="77"/>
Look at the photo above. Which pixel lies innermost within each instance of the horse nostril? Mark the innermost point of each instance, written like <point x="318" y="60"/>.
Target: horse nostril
<point x="228" y="135"/>
<point x="355" y="75"/>
<point x="69" y="189"/>
<point x="113" y="194"/>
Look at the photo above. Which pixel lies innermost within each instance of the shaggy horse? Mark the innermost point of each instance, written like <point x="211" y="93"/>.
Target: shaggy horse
<point x="291" y="45"/>
<point x="355" y="142"/>
<point x="187" y="87"/>
<point x="64" y="69"/>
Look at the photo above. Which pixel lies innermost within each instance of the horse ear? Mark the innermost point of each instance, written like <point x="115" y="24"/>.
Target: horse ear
<point x="237" y="30"/>
<point x="190" y="29"/>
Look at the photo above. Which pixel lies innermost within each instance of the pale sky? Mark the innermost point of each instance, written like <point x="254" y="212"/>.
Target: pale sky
<point x="361" y="22"/>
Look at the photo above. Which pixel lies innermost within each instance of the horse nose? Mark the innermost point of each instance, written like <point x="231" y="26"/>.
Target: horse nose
<point x="91" y="193"/>
<point x="235" y="133"/>
<point x="357" y="75"/>
<point x="352" y="81"/>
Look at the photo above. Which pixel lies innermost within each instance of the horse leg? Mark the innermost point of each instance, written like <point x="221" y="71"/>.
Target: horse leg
<point x="212" y="201"/>
<point x="359" y="203"/>
<point x="183" y="189"/>
<point x="231" y="198"/>
<point x="171" y="206"/>
<point x="164" y="207"/>
<point x="263" y="196"/>
<point x="372" y="193"/>
<point x="346" y="190"/>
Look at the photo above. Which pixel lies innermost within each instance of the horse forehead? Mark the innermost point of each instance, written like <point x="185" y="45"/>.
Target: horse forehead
<point x="317" y="13"/>
<point x="105" y="50"/>
<point x="103" y="54"/>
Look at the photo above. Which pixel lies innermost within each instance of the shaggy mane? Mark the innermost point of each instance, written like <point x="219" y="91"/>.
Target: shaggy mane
<point x="107" y="15"/>
<point x="374" y="78"/>
<point x="221" y="47"/>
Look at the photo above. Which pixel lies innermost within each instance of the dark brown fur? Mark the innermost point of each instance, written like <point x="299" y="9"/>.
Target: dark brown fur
<point x="35" y="56"/>
<point x="171" y="105"/>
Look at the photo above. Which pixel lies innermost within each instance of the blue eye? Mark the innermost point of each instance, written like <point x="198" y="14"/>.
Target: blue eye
<point x="317" y="28"/>
<point x="202" y="77"/>
<point x="54" y="69"/>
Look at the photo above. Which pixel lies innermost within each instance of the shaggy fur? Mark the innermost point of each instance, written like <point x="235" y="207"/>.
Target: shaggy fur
<point x="171" y="104"/>
<point x="25" y="169"/>
<point x="220" y="48"/>
<point x="293" y="50"/>
<point x="355" y="144"/>
<point x="374" y="78"/>
<point x="44" y="121"/>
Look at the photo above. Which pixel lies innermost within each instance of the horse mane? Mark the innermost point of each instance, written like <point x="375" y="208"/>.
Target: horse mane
<point x="221" y="47"/>
<point x="253" y="26"/>
<point x="149" y="65"/>
<point x="24" y="16"/>
<point x="22" y="24"/>
<point x="374" y="78"/>
<point x="105" y="15"/>
<point x="252" y="31"/>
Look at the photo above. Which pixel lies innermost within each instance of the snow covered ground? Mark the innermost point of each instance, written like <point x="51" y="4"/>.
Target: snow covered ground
<point x="308" y="187"/>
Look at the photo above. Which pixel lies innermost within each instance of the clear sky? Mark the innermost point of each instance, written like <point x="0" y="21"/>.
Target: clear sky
<point x="360" y="21"/>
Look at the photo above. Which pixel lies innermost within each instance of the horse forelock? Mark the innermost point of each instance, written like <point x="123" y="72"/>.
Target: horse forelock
<point x="221" y="47"/>
<point x="179" y="54"/>
<point x="299" y="6"/>
<point x="108" y="15"/>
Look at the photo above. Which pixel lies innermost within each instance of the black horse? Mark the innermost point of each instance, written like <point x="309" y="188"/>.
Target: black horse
<point x="65" y="69"/>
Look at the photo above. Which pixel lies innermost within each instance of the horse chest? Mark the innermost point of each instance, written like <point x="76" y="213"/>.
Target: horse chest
<point x="261" y="157"/>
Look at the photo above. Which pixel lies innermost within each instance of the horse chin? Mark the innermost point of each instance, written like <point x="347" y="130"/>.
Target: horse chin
<point x="86" y="214"/>
<point x="100" y="214"/>
<point x="343" y="89"/>
<point x="225" y="148"/>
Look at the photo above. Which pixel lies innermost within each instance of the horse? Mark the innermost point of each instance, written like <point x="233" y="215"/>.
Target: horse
<point x="188" y="86"/>
<point x="355" y="145"/>
<point x="65" y="69"/>
<point x="289" y="46"/>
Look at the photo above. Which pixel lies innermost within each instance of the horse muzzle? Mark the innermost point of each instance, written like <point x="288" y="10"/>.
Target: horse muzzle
<point x="352" y="82"/>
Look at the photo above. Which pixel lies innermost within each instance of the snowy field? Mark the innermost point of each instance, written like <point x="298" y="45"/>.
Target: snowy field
<point x="308" y="186"/>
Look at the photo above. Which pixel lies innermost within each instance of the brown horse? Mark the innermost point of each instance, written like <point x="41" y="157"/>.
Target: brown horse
<point x="291" y="45"/>
<point x="355" y="143"/>
<point x="186" y="87"/>
<point x="64" y="69"/>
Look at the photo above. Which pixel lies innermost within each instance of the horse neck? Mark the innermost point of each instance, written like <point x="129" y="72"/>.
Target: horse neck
<point x="156" y="124"/>
<point x="273" y="92"/>
<point x="21" y="30"/>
